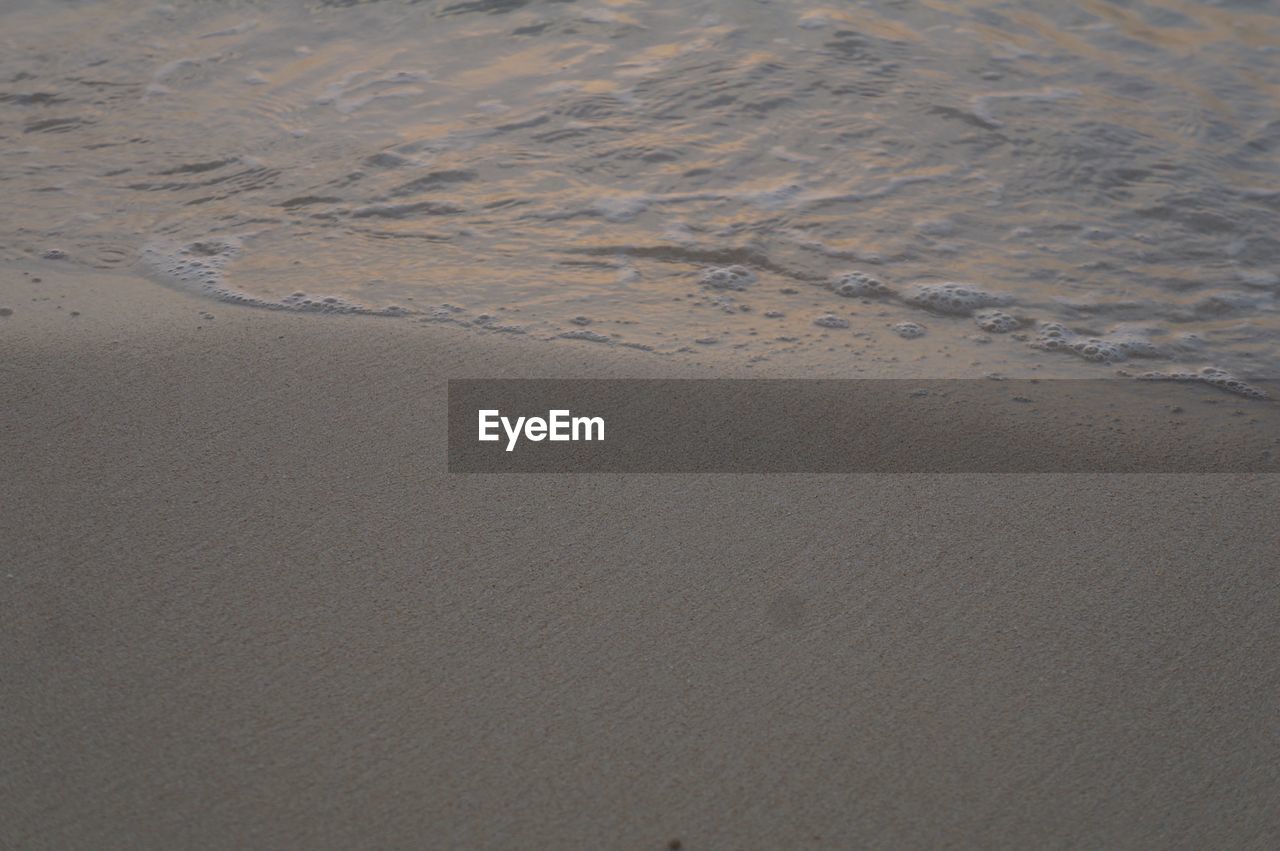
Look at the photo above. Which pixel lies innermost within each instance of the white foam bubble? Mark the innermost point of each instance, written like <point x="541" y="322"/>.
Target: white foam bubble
<point x="199" y="267"/>
<point x="590" y="336"/>
<point x="996" y="321"/>
<point x="955" y="298"/>
<point x="908" y="330"/>
<point x="857" y="285"/>
<point x="1211" y="375"/>
<point x="728" y="278"/>
<point x="1110" y="348"/>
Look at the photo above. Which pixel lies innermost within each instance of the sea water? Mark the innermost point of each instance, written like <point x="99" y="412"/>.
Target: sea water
<point x="984" y="187"/>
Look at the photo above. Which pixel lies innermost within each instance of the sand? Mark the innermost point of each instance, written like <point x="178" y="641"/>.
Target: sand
<point x="244" y="605"/>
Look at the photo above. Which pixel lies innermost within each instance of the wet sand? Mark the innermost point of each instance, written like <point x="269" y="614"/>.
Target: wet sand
<point x="244" y="605"/>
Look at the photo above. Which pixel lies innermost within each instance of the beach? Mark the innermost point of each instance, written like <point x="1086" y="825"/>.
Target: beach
<point x="902" y="468"/>
<point x="246" y="605"/>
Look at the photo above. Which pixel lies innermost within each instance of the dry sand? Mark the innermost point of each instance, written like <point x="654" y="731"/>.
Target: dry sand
<point x="243" y="605"/>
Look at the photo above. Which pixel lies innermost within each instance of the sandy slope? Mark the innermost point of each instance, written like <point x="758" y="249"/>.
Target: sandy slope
<point x="243" y="605"/>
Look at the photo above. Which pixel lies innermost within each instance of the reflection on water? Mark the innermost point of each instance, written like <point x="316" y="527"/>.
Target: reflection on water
<point x="591" y="169"/>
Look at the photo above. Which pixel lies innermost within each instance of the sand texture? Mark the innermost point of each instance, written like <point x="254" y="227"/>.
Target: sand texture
<point x="244" y="605"/>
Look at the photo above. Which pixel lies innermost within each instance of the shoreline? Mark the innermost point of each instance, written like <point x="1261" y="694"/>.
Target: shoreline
<point x="112" y="301"/>
<point x="246" y="605"/>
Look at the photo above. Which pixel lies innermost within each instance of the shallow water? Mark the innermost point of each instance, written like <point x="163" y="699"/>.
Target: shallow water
<point x="582" y="170"/>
